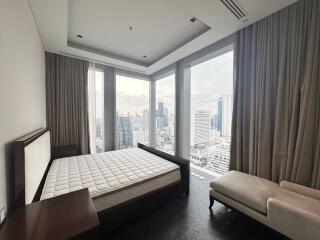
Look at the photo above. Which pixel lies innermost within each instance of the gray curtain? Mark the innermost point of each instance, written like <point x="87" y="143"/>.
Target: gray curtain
<point x="67" y="101"/>
<point x="276" y="117"/>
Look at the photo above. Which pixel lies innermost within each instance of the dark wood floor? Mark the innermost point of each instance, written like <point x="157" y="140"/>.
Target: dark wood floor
<point x="188" y="218"/>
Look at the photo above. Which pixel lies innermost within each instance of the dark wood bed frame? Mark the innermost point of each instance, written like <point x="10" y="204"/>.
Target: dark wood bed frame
<point x="114" y="216"/>
<point x="19" y="168"/>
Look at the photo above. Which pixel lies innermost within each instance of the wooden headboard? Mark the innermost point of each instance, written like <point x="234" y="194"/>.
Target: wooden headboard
<point x="32" y="158"/>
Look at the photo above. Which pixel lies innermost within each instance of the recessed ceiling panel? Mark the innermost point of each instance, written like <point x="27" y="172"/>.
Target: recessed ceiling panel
<point x="140" y="31"/>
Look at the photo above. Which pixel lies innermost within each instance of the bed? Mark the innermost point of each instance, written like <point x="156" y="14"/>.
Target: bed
<point x="122" y="183"/>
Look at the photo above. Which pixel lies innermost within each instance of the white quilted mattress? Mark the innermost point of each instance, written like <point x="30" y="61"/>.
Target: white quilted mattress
<point x="111" y="177"/>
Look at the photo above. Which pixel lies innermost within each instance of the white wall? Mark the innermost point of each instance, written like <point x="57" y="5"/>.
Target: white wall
<point x="22" y="82"/>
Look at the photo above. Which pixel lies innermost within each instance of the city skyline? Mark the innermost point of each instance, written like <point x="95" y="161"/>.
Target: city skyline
<point x="134" y="128"/>
<point x="210" y="113"/>
<point x="165" y="113"/>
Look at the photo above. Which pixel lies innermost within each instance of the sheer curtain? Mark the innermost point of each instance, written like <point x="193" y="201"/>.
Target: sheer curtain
<point x="92" y="106"/>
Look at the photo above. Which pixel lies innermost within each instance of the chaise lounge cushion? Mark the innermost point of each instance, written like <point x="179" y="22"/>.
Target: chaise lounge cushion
<point x="299" y="201"/>
<point x="249" y="190"/>
<point x="306" y="191"/>
<point x="254" y="192"/>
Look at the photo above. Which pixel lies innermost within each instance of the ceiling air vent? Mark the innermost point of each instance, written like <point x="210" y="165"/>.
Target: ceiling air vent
<point x="236" y="9"/>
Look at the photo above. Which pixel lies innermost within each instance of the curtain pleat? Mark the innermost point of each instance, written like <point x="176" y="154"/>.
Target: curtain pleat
<point x="67" y="101"/>
<point x="276" y="117"/>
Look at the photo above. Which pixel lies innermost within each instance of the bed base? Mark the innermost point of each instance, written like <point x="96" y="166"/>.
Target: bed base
<point x="183" y="164"/>
<point x="115" y="216"/>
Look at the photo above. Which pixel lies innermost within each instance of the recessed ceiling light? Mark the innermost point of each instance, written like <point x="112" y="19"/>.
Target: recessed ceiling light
<point x="193" y="19"/>
<point x="79" y="35"/>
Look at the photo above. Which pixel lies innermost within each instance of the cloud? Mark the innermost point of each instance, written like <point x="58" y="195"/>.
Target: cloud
<point x="209" y="81"/>
<point x="132" y="95"/>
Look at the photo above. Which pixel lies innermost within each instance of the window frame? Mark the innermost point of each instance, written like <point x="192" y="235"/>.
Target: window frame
<point x="158" y="77"/>
<point x="97" y="68"/>
<point x="101" y="70"/>
<point x="194" y="62"/>
<point x="182" y="71"/>
<point x="129" y="74"/>
<point x="165" y="72"/>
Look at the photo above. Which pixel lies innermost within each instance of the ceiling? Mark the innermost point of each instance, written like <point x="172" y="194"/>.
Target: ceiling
<point x="141" y="35"/>
<point x="141" y="31"/>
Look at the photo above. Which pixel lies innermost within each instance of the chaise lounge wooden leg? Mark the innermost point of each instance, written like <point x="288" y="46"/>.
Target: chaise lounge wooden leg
<point x="211" y="202"/>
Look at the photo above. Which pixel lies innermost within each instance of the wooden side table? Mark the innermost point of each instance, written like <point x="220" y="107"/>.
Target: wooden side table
<point x="67" y="216"/>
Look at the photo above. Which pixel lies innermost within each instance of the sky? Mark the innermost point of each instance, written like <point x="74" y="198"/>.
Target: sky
<point x="132" y="95"/>
<point x="165" y="92"/>
<point x="209" y="81"/>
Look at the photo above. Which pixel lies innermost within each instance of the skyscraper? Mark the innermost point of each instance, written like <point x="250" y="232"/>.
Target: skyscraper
<point x="165" y="116"/>
<point x="227" y="103"/>
<point x="124" y="132"/>
<point x="217" y="118"/>
<point x="159" y="122"/>
<point x="201" y="127"/>
<point x="160" y="109"/>
<point x="145" y="120"/>
<point x="162" y="116"/>
<point x="118" y="132"/>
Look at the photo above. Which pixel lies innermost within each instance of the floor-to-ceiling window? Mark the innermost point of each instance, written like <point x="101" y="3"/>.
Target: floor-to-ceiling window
<point x="211" y="113"/>
<point x="132" y="112"/>
<point x="96" y="109"/>
<point x="165" y="113"/>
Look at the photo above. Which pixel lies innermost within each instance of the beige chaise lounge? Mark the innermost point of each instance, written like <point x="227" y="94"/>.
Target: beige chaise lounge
<point x="288" y="208"/>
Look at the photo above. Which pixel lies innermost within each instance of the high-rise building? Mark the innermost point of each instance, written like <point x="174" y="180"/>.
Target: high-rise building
<point x="124" y="132"/>
<point x="220" y="159"/>
<point x="200" y="154"/>
<point x="162" y="116"/>
<point x="118" y="132"/>
<point x="145" y="120"/>
<point x="165" y="116"/>
<point x="160" y="122"/>
<point x="217" y="118"/>
<point x="227" y="103"/>
<point x="136" y="121"/>
<point x="202" y="127"/>
<point x="160" y="109"/>
<point x="139" y="136"/>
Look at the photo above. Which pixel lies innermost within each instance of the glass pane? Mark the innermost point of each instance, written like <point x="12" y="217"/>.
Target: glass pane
<point x="211" y="113"/>
<point x="99" y="78"/>
<point x="132" y="117"/>
<point x="165" y="113"/>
